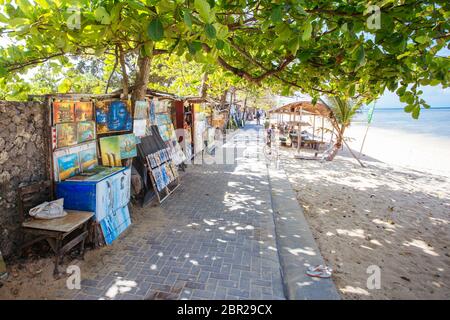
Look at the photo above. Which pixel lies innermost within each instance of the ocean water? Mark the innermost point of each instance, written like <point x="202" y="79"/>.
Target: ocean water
<point x="433" y="121"/>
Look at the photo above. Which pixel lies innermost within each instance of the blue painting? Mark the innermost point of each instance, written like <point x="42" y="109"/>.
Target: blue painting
<point x="113" y="116"/>
<point x="68" y="166"/>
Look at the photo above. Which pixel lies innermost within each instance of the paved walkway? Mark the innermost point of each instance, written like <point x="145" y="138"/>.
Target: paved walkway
<point x="214" y="238"/>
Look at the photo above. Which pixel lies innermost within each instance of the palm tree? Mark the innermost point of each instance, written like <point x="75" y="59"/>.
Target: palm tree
<point x="342" y="112"/>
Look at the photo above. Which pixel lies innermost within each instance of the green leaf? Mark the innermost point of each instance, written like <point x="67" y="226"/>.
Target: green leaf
<point x="155" y="30"/>
<point x="3" y="71"/>
<point x="210" y="31"/>
<point x="307" y="32"/>
<point x="187" y="17"/>
<point x="360" y="57"/>
<point x="421" y="39"/>
<point x="409" y="108"/>
<point x="42" y="3"/>
<point x="204" y="10"/>
<point x="416" y="112"/>
<point x="102" y="15"/>
<point x="220" y="44"/>
<point x="65" y="86"/>
<point x="221" y="31"/>
<point x="193" y="47"/>
<point x="276" y="15"/>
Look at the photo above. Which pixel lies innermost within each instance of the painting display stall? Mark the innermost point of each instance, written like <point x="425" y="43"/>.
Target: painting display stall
<point x="167" y="131"/>
<point x="159" y="152"/>
<point x="84" y="184"/>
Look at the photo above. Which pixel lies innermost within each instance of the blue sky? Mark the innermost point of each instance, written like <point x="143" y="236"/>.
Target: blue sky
<point x="434" y="96"/>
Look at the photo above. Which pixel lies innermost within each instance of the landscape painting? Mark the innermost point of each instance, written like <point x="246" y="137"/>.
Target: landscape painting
<point x="88" y="159"/>
<point x="113" y="116"/>
<point x="68" y="166"/>
<point x="110" y="151"/>
<point x="63" y="111"/>
<point x="84" y="111"/>
<point x="66" y="134"/>
<point x="141" y="109"/>
<point x="127" y="144"/>
<point x="86" y="131"/>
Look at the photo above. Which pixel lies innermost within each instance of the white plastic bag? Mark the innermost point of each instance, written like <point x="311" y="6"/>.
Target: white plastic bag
<point x="49" y="210"/>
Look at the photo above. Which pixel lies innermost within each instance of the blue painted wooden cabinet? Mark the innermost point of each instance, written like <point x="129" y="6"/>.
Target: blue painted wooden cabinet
<point x="108" y="197"/>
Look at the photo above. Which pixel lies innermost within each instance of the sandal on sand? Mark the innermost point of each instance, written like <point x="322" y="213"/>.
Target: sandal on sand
<point x="319" y="271"/>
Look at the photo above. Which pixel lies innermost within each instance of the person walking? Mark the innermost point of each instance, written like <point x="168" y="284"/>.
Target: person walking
<point x="258" y="118"/>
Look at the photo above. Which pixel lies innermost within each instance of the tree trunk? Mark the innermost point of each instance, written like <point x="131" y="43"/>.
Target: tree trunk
<point x="124" y="74"/>
<point x="338" y="145"/>
<point x="142" y="78"/>
<point x="204" y="87"/>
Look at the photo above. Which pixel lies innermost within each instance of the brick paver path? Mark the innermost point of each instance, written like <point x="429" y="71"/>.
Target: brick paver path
<point x="214" y="238"/>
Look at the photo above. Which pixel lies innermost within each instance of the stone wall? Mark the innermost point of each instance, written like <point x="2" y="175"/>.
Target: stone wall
<point x="23" y="159"/>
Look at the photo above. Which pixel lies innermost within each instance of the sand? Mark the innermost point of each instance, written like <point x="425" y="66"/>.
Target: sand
<point x="393" y="214"/>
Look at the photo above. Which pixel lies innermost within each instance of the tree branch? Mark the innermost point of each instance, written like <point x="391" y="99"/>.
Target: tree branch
<point x="124" y="72"/>
<point x="112" y="72"/>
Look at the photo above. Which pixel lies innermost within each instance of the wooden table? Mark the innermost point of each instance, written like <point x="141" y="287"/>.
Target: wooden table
<point x="55" y="231"/>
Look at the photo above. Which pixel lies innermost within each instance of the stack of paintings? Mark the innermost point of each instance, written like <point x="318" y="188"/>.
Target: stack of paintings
<point x="74" y="144"/>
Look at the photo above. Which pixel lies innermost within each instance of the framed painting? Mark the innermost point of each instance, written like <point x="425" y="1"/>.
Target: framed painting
<point x="110" y="151"/>
<point x="66" y="134"/>
<point x="113" y="116"/>
<point x="63" y="111"/>
<point x="127" y="143"/>
<point x="68" y="166"/>
<point x="141" y="109"/>
<point x="140" y="127"/>
<point x="85" y="131"/>
<point x="84" y="111"/>
<point x="88" y="159"/>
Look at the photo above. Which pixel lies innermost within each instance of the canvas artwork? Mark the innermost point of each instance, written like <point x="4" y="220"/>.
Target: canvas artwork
<point x="127" y="143"/>
<point x="63" y="111"/>
<point x="152" y="160"/>
<point x="68" y="166"/>
<point x="152" y="112"/>
<point x="86" y="131"/>
<point x="88" y="159"/>
<point x="66" y="134"/>
<point x="113" y="116"/>
<point x="164" y="132"/>
<point x="110" y="151"/>
<point x="140" y="127"/>
<point x="141" y="109"/>
<point x="84" y="111"/>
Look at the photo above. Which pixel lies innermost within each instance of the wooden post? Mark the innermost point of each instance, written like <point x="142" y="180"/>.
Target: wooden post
<point x="299" y="132"/>
<point x="314" y="126"/>
<point x="323" y="124"/>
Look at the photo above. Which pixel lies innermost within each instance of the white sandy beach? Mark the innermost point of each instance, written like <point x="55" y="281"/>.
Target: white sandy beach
<point x="394" y="146"/>
<point x="394" y="214"/>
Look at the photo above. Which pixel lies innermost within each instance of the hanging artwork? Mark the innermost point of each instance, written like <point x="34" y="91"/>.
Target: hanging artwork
<point x="153" y="112"/>
<point x="66" y="134"/>
<point x="84" y="111"/>
<point x="140" y="127"/>
<point x="110" y="151"/>
<point x="127" y="143"/>
<point x="88" y="159"/>
<point x="141" y="109"/>
<point x="68" y="166"/>
<point x="86" y="131"/>
<point x="113" y="116"/>
<point x="116" y="148"/>
<point x="63" y="111"/>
